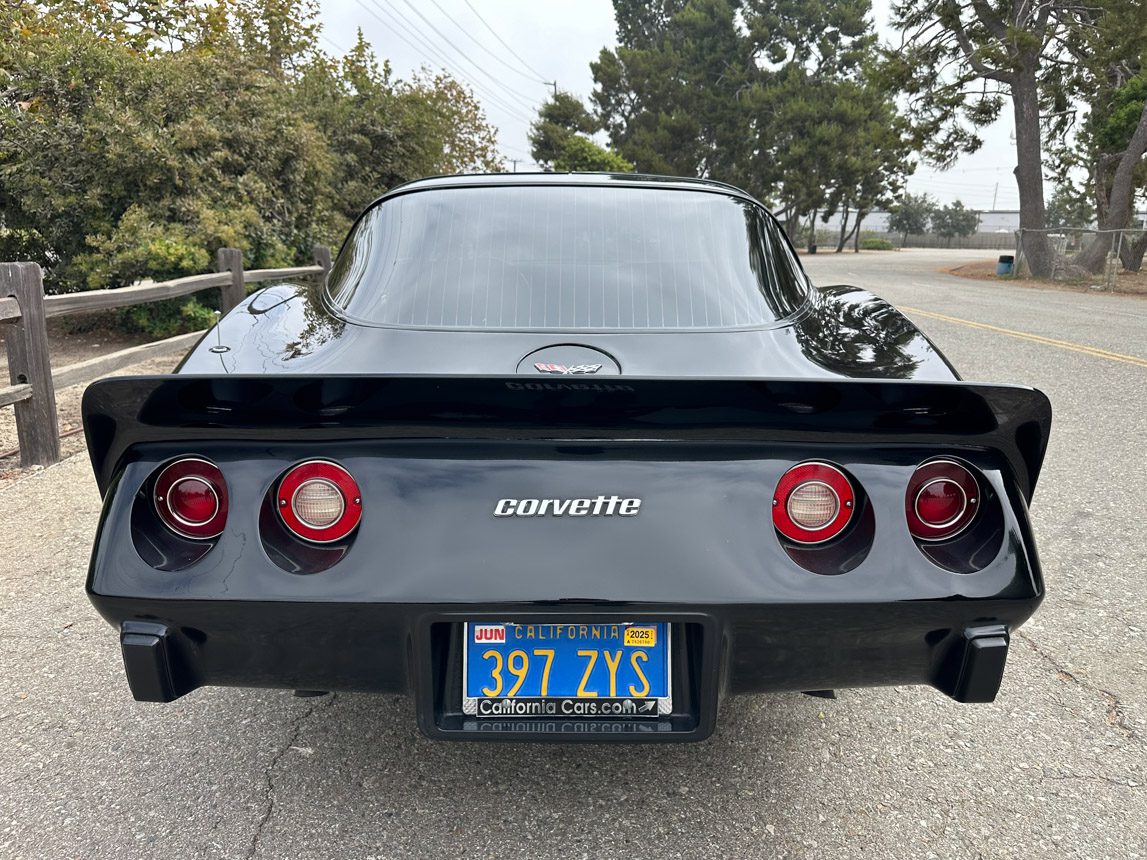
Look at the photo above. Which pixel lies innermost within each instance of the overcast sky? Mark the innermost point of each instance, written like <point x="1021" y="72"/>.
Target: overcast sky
<point x="555" y="41"/>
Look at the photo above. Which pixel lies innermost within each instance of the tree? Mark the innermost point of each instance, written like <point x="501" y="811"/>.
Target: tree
<point x="958" y="62"/>
<point x="954" y="220"/>
<point x="137" y="136"/>
<point x="559" y="138"/>
<point x="871" y="160"/>
<point x="671" y="96"/>
<point x="1106" y="85"/>
<point x="1120" y="168"/>
<point x="770" y="95"/>
<point x="559" y="118"/>
<point x="910" y="217"/>
<point x="582" y="154"/>
<point x="1069" y="208"/>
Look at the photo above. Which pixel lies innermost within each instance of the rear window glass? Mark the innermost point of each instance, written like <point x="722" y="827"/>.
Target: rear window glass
<point x="556" y="257"/>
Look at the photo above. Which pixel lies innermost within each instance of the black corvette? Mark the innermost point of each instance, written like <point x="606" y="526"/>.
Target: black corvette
<point x="565" y="457"/>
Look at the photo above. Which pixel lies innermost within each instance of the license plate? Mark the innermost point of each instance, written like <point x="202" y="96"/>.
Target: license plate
<point x="566" y="670"/>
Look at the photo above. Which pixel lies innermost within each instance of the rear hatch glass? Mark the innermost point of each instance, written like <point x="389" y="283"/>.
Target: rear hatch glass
<point x="545" y="257"/>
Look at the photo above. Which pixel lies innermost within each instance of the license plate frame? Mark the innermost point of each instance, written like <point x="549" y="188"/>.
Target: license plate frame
<point x="552" y="706"/>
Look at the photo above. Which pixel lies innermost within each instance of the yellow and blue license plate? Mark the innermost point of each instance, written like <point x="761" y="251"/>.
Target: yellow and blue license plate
<point x="602" y="671"/>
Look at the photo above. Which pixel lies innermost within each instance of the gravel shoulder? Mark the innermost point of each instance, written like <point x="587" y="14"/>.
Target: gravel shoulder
<point x="68" y="348"/>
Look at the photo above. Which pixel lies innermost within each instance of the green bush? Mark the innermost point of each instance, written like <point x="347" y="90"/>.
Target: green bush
<point x="166" y="319"/>
<point x="134" y="144"/>
<point x="875" y="243"/>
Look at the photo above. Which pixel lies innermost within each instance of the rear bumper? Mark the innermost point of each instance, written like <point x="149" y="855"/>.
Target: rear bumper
<point x="172" y="647"/>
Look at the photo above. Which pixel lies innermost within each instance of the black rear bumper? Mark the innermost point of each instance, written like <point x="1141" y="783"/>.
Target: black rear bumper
<point x="173" y="647"/>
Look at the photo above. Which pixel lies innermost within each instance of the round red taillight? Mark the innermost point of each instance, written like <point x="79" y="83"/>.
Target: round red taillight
<point x="813" y="503"/>
<point x="190" y="497"/>
<point x="319" y="501"/>
<point x="942" y="499"/>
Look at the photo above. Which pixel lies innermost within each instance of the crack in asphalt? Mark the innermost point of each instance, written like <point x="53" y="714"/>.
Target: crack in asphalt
<point x="208" y="843"/>
<point x="269" y="771"/>
<point x="1116" y="715"/>
<point x="1122" y="783"/>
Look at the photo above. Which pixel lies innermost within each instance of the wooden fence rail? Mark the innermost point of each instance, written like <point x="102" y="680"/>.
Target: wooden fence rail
<point x="24" y="310"/>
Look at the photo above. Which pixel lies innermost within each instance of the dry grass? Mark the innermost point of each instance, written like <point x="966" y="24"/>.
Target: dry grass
<point x="1129" y="283"/>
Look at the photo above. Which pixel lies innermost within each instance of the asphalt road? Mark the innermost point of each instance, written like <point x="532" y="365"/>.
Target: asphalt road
<point x="1055" y="768"/>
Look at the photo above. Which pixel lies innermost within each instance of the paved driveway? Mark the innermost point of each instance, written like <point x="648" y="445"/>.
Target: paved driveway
<point x="1055" y="768"/>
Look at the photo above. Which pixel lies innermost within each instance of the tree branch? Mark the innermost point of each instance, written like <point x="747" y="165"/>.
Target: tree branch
<point x="970" y="51"/>
<point x="990" y="19"/>
<point x="1128" y="161"/>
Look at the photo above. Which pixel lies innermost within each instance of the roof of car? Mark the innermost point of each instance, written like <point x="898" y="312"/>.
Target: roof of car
<point x="642" y="180"/>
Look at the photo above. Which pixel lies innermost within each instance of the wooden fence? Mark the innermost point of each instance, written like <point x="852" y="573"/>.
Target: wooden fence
<point x="24" y="310"/>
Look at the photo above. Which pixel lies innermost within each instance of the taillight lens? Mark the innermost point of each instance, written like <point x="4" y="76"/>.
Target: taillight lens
<point x="319" y="501"/>
<point x="813" y="503"/>
<point x="190" y="498"/>
<point x="942" y="499"/>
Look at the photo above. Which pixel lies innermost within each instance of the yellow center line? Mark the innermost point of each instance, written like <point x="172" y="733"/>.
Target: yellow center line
<point x="1047" y="341"/>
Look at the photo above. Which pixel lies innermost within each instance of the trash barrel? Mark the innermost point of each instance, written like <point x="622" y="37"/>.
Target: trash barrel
<point x="1005" y="264"/>
<point x="812" y="248"/>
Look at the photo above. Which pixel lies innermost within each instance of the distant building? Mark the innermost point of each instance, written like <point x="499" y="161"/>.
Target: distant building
<point x="995" y="221"/>
<point x="1000" y="221"/>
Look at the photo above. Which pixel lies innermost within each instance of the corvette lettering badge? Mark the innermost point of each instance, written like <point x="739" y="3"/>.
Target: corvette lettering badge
<point x="563" y="369"/>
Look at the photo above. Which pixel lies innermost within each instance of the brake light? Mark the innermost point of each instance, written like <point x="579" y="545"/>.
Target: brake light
<point x="942" y="499"/>
<point x="190" y="497"/>
<point x="813" y="503"/>
<point x="319" y="501"/>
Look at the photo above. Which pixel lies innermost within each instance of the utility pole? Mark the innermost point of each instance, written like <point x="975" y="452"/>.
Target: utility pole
<point x="514" y="161"/>
<point x="994" y="193"/>
<point x="553" y="84"/>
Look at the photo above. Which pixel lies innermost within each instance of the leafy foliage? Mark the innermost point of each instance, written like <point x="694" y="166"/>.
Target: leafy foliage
<point x="581" y="153"/>
<point x="559" y="139"/>
<point x="772" y="95"/>
<point x="1067" y="208"/>
<point x="911" y="215"/>
<point x="137" y="137"/>
<point x="955" y="220"/>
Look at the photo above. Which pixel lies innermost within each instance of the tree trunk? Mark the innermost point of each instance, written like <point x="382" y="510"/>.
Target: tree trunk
<point x="1132" y="253"/>
<point x="1114" y="203"/>
<point x="1029" y="169"/>
<point x="843" y="227"/>
<point x="785" y="216"/>
<point x="856" y="234"/>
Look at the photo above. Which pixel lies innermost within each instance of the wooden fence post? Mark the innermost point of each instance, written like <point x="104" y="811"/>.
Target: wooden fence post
<point x="322" y="257"/>
<point x="29" y="364"/>
<point x="231" y="260"/>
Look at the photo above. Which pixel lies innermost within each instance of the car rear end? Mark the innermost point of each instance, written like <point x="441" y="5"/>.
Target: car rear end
<point x="590" y="560"/>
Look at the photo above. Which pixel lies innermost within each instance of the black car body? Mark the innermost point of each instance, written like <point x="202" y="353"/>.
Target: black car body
<point x="563" y="407"/>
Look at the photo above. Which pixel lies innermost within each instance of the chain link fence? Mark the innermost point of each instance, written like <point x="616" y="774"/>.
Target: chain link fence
<point x="1079" y="252"/>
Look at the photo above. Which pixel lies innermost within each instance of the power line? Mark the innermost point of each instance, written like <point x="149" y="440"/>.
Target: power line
<point x="332" y="43"/>
<point x="525" y="99"/>
<point x="429" y="48"/>
<point x="503" y="41"/>
<point x="428" y="51"/>
<point x="527" y="75"/>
